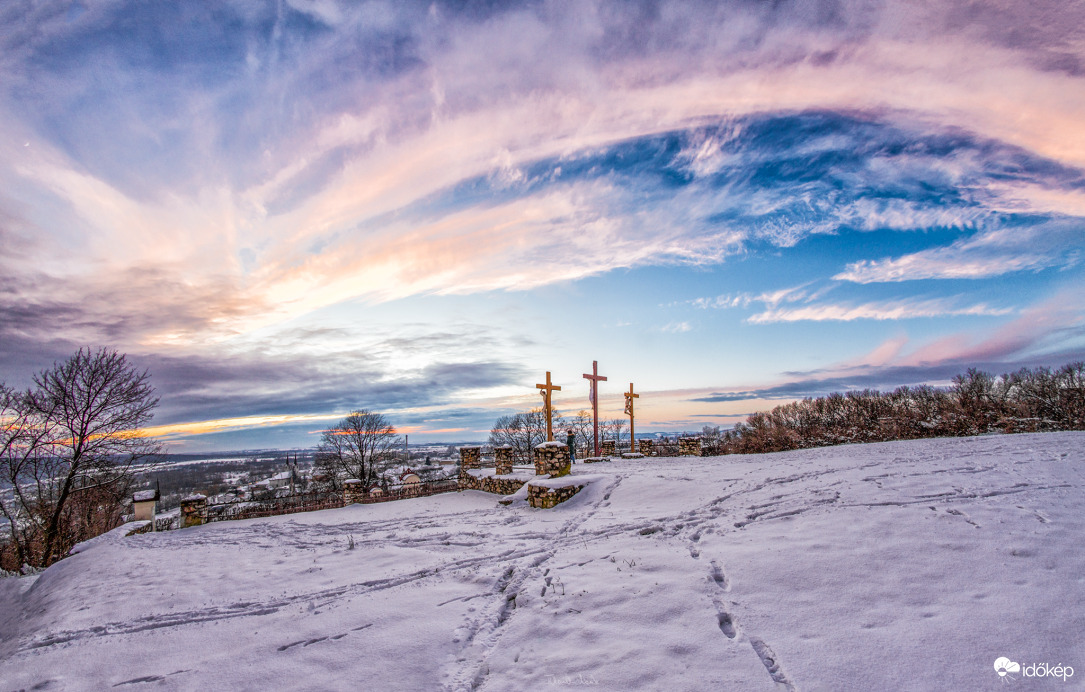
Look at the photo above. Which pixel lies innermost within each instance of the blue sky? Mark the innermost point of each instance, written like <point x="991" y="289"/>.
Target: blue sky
<point x="288" y="210"/>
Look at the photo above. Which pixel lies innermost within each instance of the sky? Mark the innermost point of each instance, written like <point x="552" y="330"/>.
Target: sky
<point x="286" y="211"/>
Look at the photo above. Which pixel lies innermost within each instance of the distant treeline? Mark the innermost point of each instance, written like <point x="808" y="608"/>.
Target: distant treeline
<point x="1029" y="400"/>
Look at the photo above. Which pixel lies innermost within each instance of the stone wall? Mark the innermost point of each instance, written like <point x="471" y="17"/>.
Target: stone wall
<point x="470" y="459"/>
<point x="607" y="448"/>
<point x="503" y="460"/>
<point x="689" y="446"/>
<point x="552" y="458"/>
<point x="193" y="510"/>
<point x="148" y="527"/>
<point x="646" y="447"/>
<point x="546" y="498"/>
<point x="490" y="484"/>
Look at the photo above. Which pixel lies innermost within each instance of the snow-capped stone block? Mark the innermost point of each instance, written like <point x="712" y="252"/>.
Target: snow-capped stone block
<point x="546" y="493"/>
<point x="552" y="459"/>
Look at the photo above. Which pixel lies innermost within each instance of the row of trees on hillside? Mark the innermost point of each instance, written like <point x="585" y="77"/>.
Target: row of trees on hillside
<point x="523" y="431"/>
<point x="1029" y="400"/>
<point x="68" y="454"/>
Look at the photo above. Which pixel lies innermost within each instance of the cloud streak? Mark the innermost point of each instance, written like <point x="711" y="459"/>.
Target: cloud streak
<point x="884" y="310"/>
<point x="995" y="252"/>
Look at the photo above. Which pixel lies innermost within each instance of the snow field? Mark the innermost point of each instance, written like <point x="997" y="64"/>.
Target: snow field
<point x="904" y="565"/>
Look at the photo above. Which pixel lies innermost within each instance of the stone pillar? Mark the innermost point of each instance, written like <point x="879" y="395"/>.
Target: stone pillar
<point x="193" y="510"/>
<point x="646" y="447"/>
<point x="689" y="446"/>
<point x="352" y="491"/>
<point x="552" y="458"/>
<point x="503" y="460"/>
<point x="608" y="448"/>
<point x="470" y="458"/>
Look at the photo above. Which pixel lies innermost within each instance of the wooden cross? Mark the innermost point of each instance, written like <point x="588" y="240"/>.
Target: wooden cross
<point x="629" y="396"/>
<point x="595" y="378"/>
<point x="548" y="390"/>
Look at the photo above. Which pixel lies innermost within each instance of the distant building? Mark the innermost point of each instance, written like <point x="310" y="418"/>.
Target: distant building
<point x="279" y="480"/>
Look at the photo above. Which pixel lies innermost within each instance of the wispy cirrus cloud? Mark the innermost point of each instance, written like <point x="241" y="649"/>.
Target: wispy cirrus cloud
<point x="1003" y="250"/>
<point x="801" y="304"/>
<point x="420" y="110"/>
<point x="676" y="328"/>
<point x="773" y="298"/>
<point x="879" y="310"/>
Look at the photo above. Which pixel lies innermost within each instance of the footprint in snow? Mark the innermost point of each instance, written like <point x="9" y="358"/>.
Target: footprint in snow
<point x="719" y="577"/>
<point x="727" y="625"/>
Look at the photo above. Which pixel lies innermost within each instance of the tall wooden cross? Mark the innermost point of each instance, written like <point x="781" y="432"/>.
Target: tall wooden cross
<point x="548" y="390"/>
<point x="629" y="396"/>
<point x="595" y="379"/>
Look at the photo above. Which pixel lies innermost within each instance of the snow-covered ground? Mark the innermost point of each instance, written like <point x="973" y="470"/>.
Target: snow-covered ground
<point x="905" y="565"/>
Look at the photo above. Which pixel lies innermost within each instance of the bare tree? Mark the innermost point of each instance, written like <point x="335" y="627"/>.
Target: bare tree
<point x="22" y="437"/>
<point x="357" y="445"/>
<point x="70" y="451"/>
<point x="613" y="429"/>
<point x="522" y="432"/>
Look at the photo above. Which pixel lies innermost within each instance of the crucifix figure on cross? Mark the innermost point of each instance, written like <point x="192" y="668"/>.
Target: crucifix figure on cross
<point x="629" y="396"/>
<point x="547" y="390"/>
<point x="593" y="396"/>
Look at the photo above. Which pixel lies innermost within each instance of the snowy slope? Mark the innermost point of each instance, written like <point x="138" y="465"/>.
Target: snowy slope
<point x="907" y="565"/>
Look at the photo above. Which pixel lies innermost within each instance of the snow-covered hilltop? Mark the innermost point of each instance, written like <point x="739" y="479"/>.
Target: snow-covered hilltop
<point x="903" y="565"/>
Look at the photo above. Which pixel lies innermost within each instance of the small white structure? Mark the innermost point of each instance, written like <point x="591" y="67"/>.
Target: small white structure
<point x="144" y="504"/>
